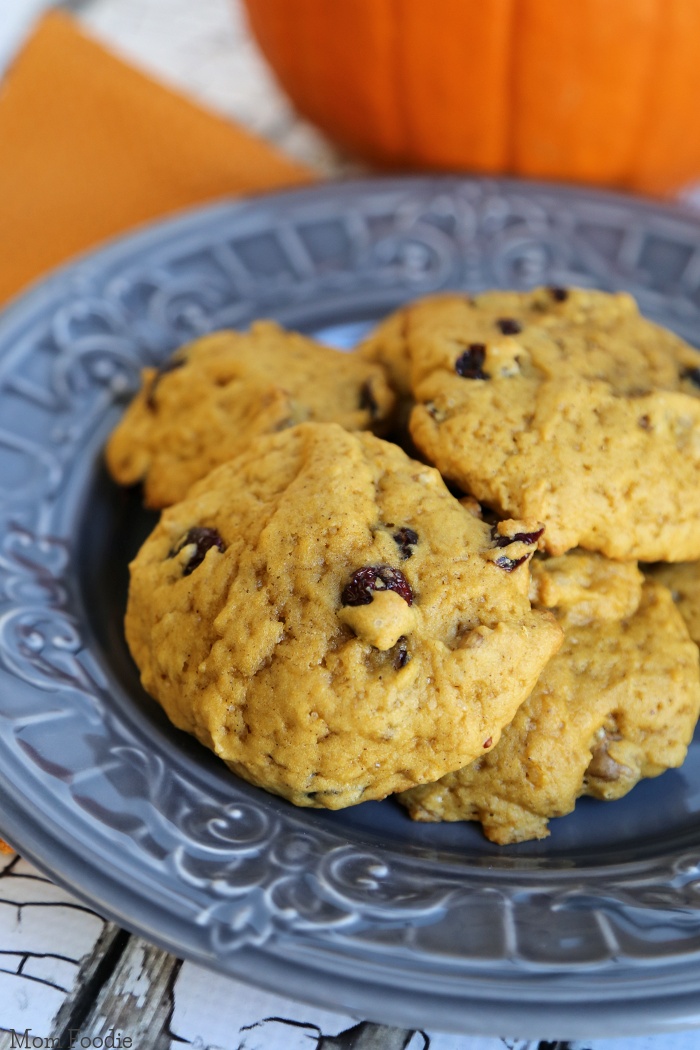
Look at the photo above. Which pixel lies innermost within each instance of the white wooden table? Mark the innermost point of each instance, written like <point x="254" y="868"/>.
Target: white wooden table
<point x="67" y="976"/>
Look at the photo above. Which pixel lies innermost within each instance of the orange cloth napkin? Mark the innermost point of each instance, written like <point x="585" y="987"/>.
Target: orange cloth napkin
<point x="90" y="147"/>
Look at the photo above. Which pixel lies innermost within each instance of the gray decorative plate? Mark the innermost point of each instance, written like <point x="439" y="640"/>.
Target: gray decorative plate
<point x="594" y="931"/>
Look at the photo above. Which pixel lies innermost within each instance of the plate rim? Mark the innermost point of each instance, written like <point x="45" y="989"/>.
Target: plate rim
<point x="352" y="996"/>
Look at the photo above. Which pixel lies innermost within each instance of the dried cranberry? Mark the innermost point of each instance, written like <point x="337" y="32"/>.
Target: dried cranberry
<point x="530" y="538"/>
<point x="367" y="400"/>
<point x="375" y="578"/>
<point x="401" y="655"/>
<point x="469" y="364"/>
<point x="204" y="539"/>
<point x="560" y="295"/>
<point x="519" y="537"/>
<point x="509" y="325"/>
<point x="405" y="538"/>
<point x="168" y="366"/>
<point x="693" y="374"/>
<point x="510" y="563"/>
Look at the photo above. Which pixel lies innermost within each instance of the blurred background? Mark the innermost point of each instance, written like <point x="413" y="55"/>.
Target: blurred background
<point x="592" y="92"/>
<point x="202" y="48"/>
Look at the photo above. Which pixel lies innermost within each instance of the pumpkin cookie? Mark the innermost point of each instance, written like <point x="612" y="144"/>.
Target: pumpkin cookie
<point x="617" y="703"/>
<point x="213" y="396"/>
<point x="562" y="405"/>
<point x="325" y="616"/>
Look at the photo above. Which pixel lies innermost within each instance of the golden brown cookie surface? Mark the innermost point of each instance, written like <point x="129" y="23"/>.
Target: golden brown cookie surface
<point x="562" y="405"/>
<point x="618" y="702"/>
<point x="324" y="615"/>
<point x="683" y="581"/>
<point x="215" y="395"/>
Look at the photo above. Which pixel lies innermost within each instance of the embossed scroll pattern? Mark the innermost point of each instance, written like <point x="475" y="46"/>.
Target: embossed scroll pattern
<point x="241" y="870"/>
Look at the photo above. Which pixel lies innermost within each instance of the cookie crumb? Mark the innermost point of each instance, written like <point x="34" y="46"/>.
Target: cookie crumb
<point x="382" y="622"/>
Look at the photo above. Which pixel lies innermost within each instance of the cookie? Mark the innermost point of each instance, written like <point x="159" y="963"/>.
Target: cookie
<point x="213" y="396"/>
<point x="387" y="345"/>
<point x="683" y="581"/>
<point x="617" y="703"/>
<point x="562" y="405"/>
<point x="325" y="615"/>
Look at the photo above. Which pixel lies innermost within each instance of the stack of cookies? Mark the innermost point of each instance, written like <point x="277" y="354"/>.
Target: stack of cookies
<point x="467" y="626"/>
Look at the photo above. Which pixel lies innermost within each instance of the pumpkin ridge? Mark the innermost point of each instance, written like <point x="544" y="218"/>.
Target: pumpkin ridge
<point x="668" y="154"/>
<point x="398" y="81"/>
<point x="592" y="91"/>
<point x="511" y="89"/>
<point x="579" y="79"/>
<point x="646" y="102"/>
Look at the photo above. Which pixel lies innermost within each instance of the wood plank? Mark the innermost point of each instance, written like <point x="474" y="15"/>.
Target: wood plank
<point x="369" y="1037"/>
<point x="136" y="1000"/>
<point x="54" y="952"/>
<point x="92" y="975"/>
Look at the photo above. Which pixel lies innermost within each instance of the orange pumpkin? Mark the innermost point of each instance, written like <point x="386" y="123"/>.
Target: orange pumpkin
<point x="602" y="91"/>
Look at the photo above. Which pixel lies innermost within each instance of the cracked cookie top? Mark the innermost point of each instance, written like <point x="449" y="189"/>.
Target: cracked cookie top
<point x="618" y="702"/>
<point x="326" y="616"/>
<point x="563" y="405"/>
<point x="208" y="401"/>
